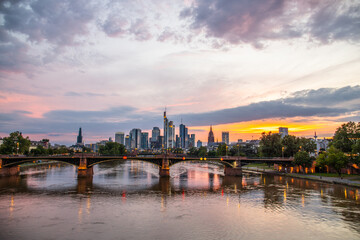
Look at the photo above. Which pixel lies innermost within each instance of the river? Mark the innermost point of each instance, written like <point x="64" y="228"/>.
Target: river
<point x="127" y="200"/>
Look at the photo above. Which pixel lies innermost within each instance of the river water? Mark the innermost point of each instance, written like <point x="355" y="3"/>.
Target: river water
<point x="127" y="200"/>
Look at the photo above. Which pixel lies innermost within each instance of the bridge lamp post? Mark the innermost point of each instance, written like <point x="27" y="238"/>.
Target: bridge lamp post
<point x="282" y="152"/>
<point x="238" y="145"/>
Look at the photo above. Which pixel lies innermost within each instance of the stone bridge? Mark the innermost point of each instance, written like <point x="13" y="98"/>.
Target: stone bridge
<point x="9" y="165"/>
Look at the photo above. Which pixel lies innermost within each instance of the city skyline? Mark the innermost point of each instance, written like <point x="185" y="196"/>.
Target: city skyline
<point x="110" y="66"/>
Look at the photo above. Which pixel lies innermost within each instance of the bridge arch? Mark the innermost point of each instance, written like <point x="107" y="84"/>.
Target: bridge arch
<point x="95" y="162"/>
<point x="21" y="161"/>
<point x="209" y="161"/>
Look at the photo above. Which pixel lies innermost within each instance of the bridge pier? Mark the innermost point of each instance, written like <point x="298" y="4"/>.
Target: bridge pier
<point x="9" y="171"/>
<point x="233" y="171"/>
<point x="87" y="172"/>
<point x="83" y="169"/>
<point x="164" y="170"/>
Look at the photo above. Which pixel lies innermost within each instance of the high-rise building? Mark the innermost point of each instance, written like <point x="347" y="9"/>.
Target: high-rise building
<point x="171" y="135"/>
<point x="144" y="140"/>
<point x="192" y="141"/>
<point x="135" y="138"/>
<point x="211" y="138"/>
<point x="120" y="138"/>
<point x="127" y="142"/>
<point x="79" y="140"/>
<point x="155" y="133"/>
<point x="199" y="144"/>
<point x="283" y="131"/>
<point x="166" y="130"/>
<point x="161" y="141"/>
<point x="182" y="135"/>
<point x="225" y="137"/>
<point x="177" y="141"/>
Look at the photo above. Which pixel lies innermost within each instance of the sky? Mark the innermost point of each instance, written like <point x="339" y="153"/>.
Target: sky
<point x="243" y="66"/>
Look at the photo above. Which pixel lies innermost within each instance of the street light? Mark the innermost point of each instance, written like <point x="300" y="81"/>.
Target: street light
<point x="239" y="154"/>
<point x="282" y="150"/>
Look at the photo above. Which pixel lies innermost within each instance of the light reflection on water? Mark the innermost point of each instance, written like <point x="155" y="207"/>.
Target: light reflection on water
<point x="129" y="201"/>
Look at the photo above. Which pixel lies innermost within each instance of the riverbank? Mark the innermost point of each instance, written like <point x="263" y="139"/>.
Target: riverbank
<point x="333" y="180"/>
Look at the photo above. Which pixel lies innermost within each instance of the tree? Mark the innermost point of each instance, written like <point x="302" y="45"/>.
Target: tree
<point x="222" y="149"/>
<point x="307" y="145"/>
<point x="355" y="158"/>
<point x="15" y="143"/>
<point x="303" y="159"/>
<point x="346" y="136"/>
<point x="112" y="149"/>
<point x="236" y="150"/>
<point x="270" y="145"/>
<point x="202" y="151"/>
<point x="61" y="150"/>
<point x="333" y="158"/>
<point x="38" y="151"/>
<point x="193" y="151"/>
<point x="291" y="145"/>
<point x="212" y="153"/>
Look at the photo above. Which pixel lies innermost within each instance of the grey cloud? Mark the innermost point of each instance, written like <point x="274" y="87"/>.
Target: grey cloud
<point x="254" y="21"/>
<point x="50" y="21"/>
<point x="13" y="53"/>
<point x="258" y="111"/>
<point x="140" y="30"/>
<point x="82" y="94"/>
<point x="336" y="21"/>
<point x="351" y="118"/>
<point x="55" y="21"/>
<point x="165" y="35"/>
<point x="325" y="96"/>
<point x="115" y="26"/>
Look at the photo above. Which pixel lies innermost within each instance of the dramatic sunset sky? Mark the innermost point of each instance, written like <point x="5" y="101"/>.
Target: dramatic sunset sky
<point x="245" y="66"/>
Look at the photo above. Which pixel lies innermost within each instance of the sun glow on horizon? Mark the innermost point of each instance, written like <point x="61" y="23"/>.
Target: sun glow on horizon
<point x="253" y="129"/>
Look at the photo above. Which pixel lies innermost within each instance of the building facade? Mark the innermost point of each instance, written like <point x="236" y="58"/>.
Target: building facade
<point x="225" y="137"/>
<point x="199" y="144"/>
<point x="120" y="138"/>
<point x="135" y="138"/>
<point x="283" y="131"/>
<point x="144" y="140"/>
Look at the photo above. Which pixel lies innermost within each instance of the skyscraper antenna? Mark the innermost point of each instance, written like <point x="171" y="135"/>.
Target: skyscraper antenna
<point x="181" y="120"/>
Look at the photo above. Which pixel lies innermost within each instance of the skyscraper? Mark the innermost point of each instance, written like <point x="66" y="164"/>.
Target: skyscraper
<point x="225" y="137"/>
<point x="144" y="140"/>
<point x="155" y="133"/>
<point x="177" y="141"/>
<point x="166" y="129"/>
<point x="127" y="142"/>
<point x="192" y="141"/>
<point x="171" y="135"/>
<point x="199" y="144"/>
<point x="79" y="140"/>
<point x="211" y="138"/>
<point x="182" y="135"/>
<point x="119" y="138"/>
<point x="135" y="138"/>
